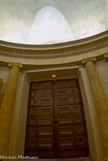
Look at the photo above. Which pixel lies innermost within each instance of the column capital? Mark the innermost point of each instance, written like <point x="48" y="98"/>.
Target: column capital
<point x="84" y="61"/>
<point x="106" y="56"/>
<point x="19" y="65"/>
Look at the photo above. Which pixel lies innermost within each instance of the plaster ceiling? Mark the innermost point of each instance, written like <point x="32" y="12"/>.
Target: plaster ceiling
<point x="54" y="21"/>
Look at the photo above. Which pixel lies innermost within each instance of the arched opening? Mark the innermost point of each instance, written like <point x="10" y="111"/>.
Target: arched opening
<point x="50" y="26"/>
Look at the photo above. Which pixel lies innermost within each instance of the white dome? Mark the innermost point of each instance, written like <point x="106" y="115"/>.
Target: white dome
<point x="51" y="21"/>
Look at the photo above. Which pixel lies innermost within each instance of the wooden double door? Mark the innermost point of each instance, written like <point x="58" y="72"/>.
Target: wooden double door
<point x="55" y="124"/>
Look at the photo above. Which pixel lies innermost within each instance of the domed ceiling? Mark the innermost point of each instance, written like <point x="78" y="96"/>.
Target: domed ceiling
<point x="51" y="21"/>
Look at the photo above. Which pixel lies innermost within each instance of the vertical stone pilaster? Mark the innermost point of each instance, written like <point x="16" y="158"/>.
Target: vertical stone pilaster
<point x="7" y="108"/>
<point x="100" y="102"/>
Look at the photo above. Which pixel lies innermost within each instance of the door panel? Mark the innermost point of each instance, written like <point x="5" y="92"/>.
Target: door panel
<point x="45" y="131"/>
<point x="55" y="123"/>
<point x="41" y="85"/>
<point x="70" y="122"/>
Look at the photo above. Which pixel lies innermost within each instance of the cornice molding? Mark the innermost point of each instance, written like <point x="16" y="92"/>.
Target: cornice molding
<point x="55" y="50"/>
<point x="54" y="46"/>
<point x="57" y="54"/>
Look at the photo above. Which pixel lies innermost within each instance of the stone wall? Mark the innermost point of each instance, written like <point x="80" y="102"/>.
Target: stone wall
<point x="17" y="136"/>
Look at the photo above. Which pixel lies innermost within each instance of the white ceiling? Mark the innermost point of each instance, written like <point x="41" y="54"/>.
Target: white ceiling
<point x="77" y="19"/>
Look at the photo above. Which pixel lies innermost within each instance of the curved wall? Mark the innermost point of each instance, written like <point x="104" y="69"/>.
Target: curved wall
<point x="33" y="56"/>
<point x="59" y="58"/>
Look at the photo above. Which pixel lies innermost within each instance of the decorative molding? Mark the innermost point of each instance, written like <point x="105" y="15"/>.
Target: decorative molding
<point x="45" y="56"/>
<point x="54" y="50"/>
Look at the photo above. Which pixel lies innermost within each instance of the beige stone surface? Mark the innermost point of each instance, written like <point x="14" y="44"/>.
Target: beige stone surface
<point x="101" y="104"/>
<point x="102" y="69"/>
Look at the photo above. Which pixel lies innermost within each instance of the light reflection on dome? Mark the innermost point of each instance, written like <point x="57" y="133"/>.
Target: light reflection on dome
<point x="48" y="26"/>
<point x="14" y="37"/>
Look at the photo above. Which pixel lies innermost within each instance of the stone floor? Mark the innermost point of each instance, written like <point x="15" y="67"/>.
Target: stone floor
<point x="66" y="159"/>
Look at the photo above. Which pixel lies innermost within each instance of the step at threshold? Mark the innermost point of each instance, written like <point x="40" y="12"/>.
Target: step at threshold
<point x="65" y="159"/>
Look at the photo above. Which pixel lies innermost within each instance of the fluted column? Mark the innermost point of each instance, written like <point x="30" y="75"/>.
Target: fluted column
<point x="7" y="106"/>
<point x="100" y="102"/>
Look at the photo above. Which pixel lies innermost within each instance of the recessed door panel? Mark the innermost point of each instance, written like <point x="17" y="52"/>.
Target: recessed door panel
<point x="45" y="131"/>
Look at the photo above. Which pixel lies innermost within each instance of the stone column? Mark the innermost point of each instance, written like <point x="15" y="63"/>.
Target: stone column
<point x="7" y="108"/>
<point x="100" y="102"/>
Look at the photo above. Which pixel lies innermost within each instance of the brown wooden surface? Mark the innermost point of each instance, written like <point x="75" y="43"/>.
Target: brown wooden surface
<point x="1" y="98"/>
<point x="1" y="81"/>
<point x="1" y="95"/>
<point x="55" y="123"/>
